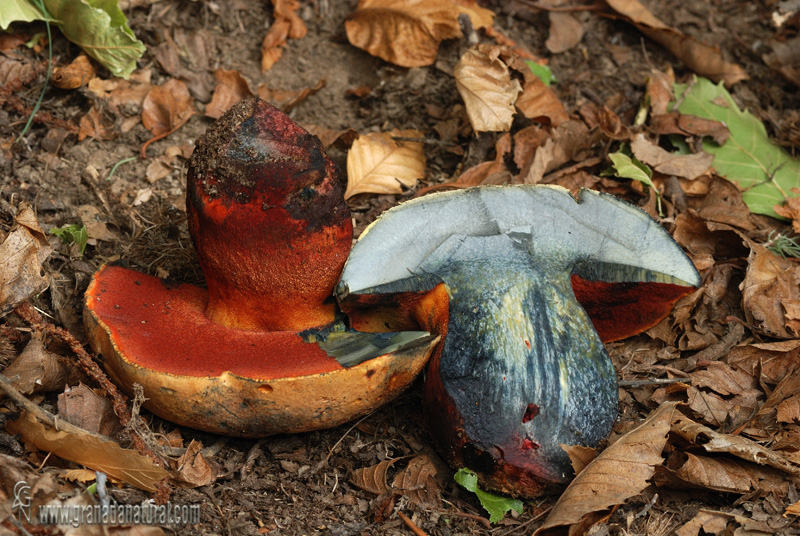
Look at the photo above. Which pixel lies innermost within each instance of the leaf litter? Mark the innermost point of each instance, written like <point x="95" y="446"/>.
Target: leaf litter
<point x="728" y="354"/>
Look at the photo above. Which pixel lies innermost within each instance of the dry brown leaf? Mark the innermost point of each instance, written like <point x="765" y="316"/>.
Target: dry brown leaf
<point x="793" y="509"/>
<point x="567" y="143"/>
<point x="418" y="482"/>
<point x="538" y="102"/>
<point x="479" y="16"/>
<point x="167" y="107"/>
<point x="12" y="70"/>
<point x="791" y="210"/>
<point x="373" y="478"/>
<point x="689" y="125"/>
<point x="76" y="74"/>
<point x="486" y="86"/>
<point x="231" y="88"/>
<point x="723" y="204"/>
<point x="21" y="256"/>
<point x="37" y="370"/>
<point x="78" y="475"/>
<point x="403" y="32"/>
<point x="789" y="410"/>
<point x="700" y="58"/>
<point x="725" y="380"/>
<point x="286" y="24"/>
<point x="692" y="233"/>
<point x="659" y="90"/>
<point x="526" y="142"/>
<point x="726" y="475"/>
<point x="711" y="522"/>
<point x="619" y="472"/>
<point x="192" y="468"/>
<point x="689" y="166"/>
<point x="329" y="136"/>
<point x="120" y="94"/>
<point x="97" y="125"/>
<point x="90" y="450"/>
<point x="97" y="225"/>
<point x="606" y="120"/>
<point x="771" y="294"/>
<point x="286" y="99"/>
<point x="566" y="32"/>
<point x="86" y="409"/>
<point x="378" y="164"/>
<point x="741" y="447"/>
<point x="579" y="456"/>
<point x="188" y="55"/>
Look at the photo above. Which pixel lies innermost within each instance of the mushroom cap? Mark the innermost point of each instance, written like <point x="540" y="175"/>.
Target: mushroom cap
<point x="609" y="246"/>
<point x="520" y="369"/>
<point x="233" y="381"/>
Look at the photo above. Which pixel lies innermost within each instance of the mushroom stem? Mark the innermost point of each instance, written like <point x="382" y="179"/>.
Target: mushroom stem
<point x="268" y="220"/>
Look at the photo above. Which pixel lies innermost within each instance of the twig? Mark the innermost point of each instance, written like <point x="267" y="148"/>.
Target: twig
<point x="649" y="381"/>
<point x="596" y="6"/>
<point x="411" y="525"/>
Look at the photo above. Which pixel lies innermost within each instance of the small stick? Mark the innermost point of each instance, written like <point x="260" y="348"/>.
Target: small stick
<point x="649" y="381"/>
<point x="411" y="525"/>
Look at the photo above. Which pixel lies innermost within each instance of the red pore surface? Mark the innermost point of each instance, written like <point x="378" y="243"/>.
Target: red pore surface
<point x="162" y="326"/>
<point x="621" y="310"/>
<point x="268" y="219"/>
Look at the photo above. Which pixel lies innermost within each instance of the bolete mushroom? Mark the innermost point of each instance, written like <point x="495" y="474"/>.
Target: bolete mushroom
<point x="512" y="279"/>
<point x="263" y="350"/>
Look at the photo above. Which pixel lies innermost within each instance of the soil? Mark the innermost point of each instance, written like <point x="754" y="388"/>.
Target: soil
<point x="299" y="484"/>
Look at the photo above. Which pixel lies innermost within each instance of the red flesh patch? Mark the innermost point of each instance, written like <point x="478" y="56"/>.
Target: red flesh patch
<point x="530" y="412"/>
<point x="621" y="310"/>
<point x="163" y="328"/>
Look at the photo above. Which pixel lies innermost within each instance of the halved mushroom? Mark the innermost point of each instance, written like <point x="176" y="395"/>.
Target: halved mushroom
<point x="501" y="273"/>
<point x="263" y="350"/>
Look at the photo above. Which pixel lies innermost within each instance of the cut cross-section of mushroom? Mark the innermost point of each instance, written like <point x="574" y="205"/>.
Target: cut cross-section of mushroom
<point x="513" y="279"/>
<point x="263" y="349"/>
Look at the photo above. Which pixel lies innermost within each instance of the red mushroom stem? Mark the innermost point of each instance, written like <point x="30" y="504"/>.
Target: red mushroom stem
<point x="268" y="220"/>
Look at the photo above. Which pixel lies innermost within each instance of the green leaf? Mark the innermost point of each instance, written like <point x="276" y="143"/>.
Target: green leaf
<point x="542" y="71"/>
<point x="630" y="168"/>
<point x="763" y="171"/>
<point x="495" y="505"/>
<point x="100" y="28"/>
<point x="74" y="233"/>
<point x="18" y="11"/>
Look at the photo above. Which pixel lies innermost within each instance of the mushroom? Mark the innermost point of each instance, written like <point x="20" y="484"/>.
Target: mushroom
<point x="523" y="284"/>
<point x="263" y="350"/>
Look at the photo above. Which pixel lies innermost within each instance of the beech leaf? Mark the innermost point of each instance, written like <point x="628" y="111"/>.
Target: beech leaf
<point x="699" y="57"/>
<point x="373" y="478"/>
<point x="688" y="166"/>
<point x="619" y="472"/>
<point x="21" y="256"/>
<point x="167" y="107"/>
<point x="406" y="33"/>
<point x="763" y="171"/>
<point x="19" y="11"/>
<point x="378" y="164"/>
<point x="100" y="28"/>
<point x="495" y="505"/>
<point x="90" y="450"/>
<point x="484" y="82"/>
